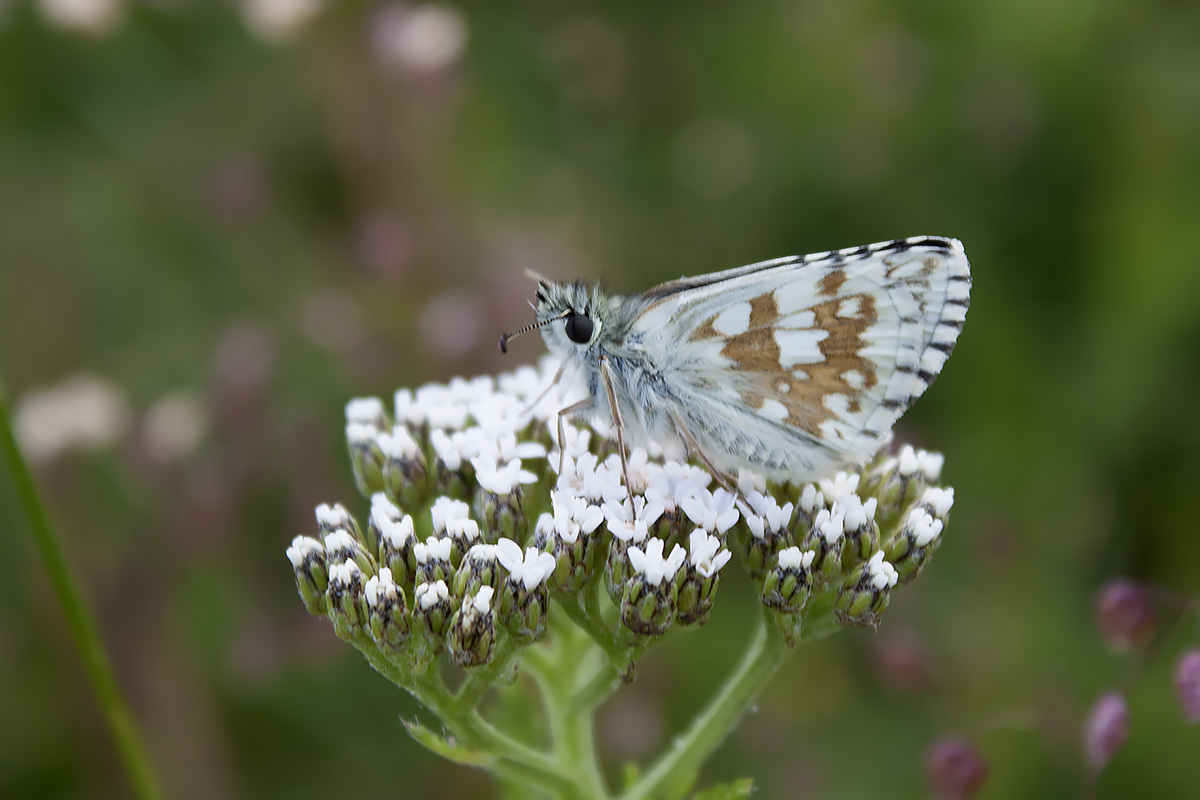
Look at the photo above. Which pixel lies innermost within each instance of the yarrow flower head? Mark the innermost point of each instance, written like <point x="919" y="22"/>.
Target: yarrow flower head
<point x="487" y="522"/>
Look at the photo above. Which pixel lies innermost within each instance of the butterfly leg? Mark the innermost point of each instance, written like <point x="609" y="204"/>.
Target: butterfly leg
<point x="606" y="372"/>
<point x="574" y="408"/>
<point x="693" y="447"/>
<point x="557" y="377"/>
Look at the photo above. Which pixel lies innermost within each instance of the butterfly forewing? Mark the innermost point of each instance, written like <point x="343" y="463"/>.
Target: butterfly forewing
<point x="800" y="365"/>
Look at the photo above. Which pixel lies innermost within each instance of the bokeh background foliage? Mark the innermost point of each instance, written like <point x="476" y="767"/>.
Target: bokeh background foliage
<point x="257" y="223"/>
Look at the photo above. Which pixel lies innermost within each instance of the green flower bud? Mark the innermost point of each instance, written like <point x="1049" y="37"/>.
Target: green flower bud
<point x="914" y="541"/>
<point x="312" y="579"/>
<point x="394" y="531"/>
<point x="387" y="615"/>
<point x="345" y="598"/>
<point x="568" y="536"/>
<point x="366" y="457"/>
<point x="768" y="523"/>
<point x="433" y="607"/>
<point x="433" y="559"/>
<point x="473" y="630"/>
<point x="648" y="603"/>
<point x="341" y="547"/>
<point x="789" y="583"/>
<point x="404" y="473"/>
<point x="524" y="597"/>
<point x="865" y="596"/>
<point x="700" y="577"/>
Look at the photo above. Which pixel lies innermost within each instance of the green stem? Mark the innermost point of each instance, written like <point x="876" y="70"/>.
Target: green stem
<point x="763" y="655"/>
<point x="571" y="732"/>
<point x="79" y="618"/>
<point x="480" y="679"/>
<point x="594" y="628"/>
<point x="465" y="723"/>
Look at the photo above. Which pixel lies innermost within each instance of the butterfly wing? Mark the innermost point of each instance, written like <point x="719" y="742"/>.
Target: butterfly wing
<point x="799" y="365"/>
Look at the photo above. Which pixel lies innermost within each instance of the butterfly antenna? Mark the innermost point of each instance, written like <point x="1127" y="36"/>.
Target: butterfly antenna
<point x="531" y="327"/>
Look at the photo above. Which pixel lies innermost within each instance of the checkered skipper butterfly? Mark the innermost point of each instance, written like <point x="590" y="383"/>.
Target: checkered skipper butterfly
<point x="792" y="367"/>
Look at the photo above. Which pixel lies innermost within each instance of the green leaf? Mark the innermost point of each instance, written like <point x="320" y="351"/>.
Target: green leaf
<point x="448" y="748"/>
<point x="737" y="790"/>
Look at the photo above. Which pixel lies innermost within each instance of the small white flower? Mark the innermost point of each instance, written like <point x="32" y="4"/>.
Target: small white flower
<point x="501" y="479"/>
<point x="842" y="484"/>
<point x="920" y="527"/>
<point x="434" y="549"/>
<point x="930" y="465"/>
<point x="857" y="515"/>
<point x="451" y="417"/>
<point x="398" y="444"/>
<point x="481" y="553"/>
<point x="343" y="575"/>
<point x="907" y="462"/>
<point x="706" y="554"/>
<point x="380" y="588"/>
<point x="634" y="532"/>
<point x="940" y="500"/>
<point x="358" y="434"/>
<point x="481" y="603"/>
<point x="340" y="545"/>
<point x="811" y="499"/>
<point x="775" y="516"/>
<point x="303" y="548"/>
<point x="830" y="523"/>
<point x="795" y="558"/>
<point x="575" y="440"/>
<point x="530" y="567"/>
<point x="332" y="516"/>
<point x="675" y="482"/>
<point x="641" y="469"/>
<point x="572" y="516"/>
<point x="430" y="594"/>
<point x="882" y="574"/>
<point x="445" y="509"/>
<point x="367" y="411"/>
<point x="619" y="512"/>
<point x="465" y="529"/>
<point x="651" y="564"/>
<point x="713" y="511"/>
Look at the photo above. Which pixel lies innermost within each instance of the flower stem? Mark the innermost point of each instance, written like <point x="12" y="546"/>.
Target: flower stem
<point x="79" y="618"/>
<point x="763" y="655"/>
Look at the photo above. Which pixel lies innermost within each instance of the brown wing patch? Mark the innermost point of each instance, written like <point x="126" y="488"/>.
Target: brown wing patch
<point x="756" y="353"/>
<point x="831" y="284"/>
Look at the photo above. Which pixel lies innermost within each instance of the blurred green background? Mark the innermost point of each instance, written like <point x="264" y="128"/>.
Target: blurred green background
<point x="239" y="215"/>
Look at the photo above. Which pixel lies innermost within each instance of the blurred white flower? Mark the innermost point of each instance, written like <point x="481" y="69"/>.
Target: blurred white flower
<point x="276" y="20"/>
<point x="86" y="16"/>
<point x="174" y="425"/>
<point x="83" y="412"/>
<point x="424" y="39"/>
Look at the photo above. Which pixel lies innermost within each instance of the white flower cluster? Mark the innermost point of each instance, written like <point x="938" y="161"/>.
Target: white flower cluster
<point x="485" y="422"/>
<point x="492" y="552"/>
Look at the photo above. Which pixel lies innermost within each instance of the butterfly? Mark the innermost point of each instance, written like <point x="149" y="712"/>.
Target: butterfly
<point x="792" y="368"/>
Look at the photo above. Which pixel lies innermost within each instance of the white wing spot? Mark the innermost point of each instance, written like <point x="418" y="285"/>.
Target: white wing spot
<point x="783" y="387"/>
<point x="733" y="321"/>
<point x="800" y="346"/>
<point x="773" y="410"/>
<point x="854" y="379"/>
<point x="850" y="308"/>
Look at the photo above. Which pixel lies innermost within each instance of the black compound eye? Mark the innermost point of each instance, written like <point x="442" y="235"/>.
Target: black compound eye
<point x="579" y="328"/>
